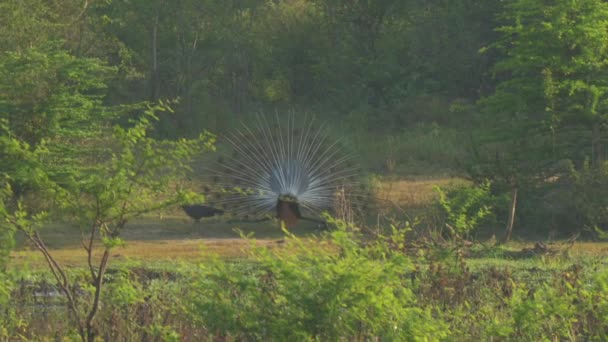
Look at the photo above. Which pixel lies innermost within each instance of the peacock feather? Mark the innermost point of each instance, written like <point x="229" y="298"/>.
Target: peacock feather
<point x="290" y="168"/>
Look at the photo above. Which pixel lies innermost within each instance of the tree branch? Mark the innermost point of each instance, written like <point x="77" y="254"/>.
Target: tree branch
<point x="81" y="14"/>
<point x="59" y="275"/>
<point x="98" y="284"/>
<point x="89" y="250"/>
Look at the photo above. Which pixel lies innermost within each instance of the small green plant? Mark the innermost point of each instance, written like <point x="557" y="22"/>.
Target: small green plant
<point x="465" y="208"/>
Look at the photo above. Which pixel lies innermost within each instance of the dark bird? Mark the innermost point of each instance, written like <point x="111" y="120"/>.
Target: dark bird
<point x="290" y="169"/>
<point x="198" y="211"/>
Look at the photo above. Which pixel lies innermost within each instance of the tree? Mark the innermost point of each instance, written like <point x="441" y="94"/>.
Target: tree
<point x="60" y="147"/>
<point x="444" y="39"/>
<point x="553" y="74"/>
<point x="142" y="175"/>
<point x="365" y="46"/>
<point x="46" y="90"/>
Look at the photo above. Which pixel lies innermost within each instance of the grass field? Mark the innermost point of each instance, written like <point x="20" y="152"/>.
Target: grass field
<point x="155" y="240"/>
<point x="176" y="237"/>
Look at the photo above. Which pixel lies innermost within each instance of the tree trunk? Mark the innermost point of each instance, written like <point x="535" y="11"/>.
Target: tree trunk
<point x="98" y="283"/>
<point x="155" y="70"/>
<point x="509" y="229"/>
<point x="596" y="144"/>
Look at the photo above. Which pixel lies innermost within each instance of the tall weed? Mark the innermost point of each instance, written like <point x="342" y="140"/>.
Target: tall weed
<point x="465" y="207"/>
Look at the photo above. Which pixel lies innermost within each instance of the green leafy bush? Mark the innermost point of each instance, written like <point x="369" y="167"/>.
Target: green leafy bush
<point x="465" y="207"/>
<point x="590" y="192"/>
<point x="571" y="308"/>
<point x="576" y="200"/>
<point x="313" y="290"/>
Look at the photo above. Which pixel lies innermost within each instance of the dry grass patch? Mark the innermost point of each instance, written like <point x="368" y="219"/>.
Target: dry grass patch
<point x="413" y="193"/>
<point x="582" y="248"/>
<point x="161" y="250"/>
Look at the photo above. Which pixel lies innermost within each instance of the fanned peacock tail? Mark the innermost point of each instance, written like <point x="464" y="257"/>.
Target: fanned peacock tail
<point x="287" y="168"/>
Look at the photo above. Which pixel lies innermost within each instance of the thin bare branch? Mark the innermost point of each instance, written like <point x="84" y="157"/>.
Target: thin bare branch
<point x="60" y="277"/>
<point x="81" y="14"/>
<point x="89" y="250"/>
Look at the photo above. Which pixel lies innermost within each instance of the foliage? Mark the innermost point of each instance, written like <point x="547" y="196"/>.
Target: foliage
<point x="556" y="55"/>
<point x="49" y="92"/>
<point x="7" y="240"/>
<point x="465" y="207"/>
<point x="589" y="206"/>
<point x="329" y="290"/>
<point x="332" y="57"/>
<point x="18" y="166"/>
<point x="547" y="107"/>
<point x="58" y="146"/>
<point x="6" y="244"/>
<point x="137" y="178"/>
<point x="348" y="287"/>
<point x="568" y="309"/>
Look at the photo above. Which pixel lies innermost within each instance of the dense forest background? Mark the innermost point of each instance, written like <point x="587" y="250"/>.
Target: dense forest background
<point x="513" y="92"/>
<point x="379" y="65"/>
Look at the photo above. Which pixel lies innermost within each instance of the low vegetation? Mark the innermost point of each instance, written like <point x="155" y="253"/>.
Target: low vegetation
<point x="337" y="285"/>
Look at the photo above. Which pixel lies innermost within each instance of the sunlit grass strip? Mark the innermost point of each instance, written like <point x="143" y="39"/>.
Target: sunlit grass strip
<point x="157" y="251"/>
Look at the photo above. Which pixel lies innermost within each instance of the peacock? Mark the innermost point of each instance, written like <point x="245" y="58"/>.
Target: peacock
<point x="198" y="211"/>
<point x="289" y="168"/>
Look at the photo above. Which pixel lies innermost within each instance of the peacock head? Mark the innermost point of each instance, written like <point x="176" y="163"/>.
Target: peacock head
<point x="289" y="198"/>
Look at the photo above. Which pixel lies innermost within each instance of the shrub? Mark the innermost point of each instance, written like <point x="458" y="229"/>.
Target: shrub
<point x="571" y="308"/>
<point x="465" y="207"/>
<point x="591" y="197"/>
<point x="328" y="290"/>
